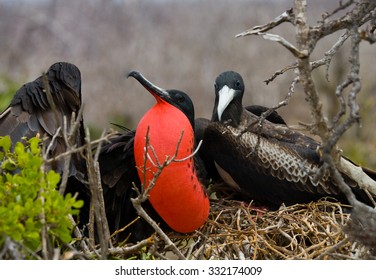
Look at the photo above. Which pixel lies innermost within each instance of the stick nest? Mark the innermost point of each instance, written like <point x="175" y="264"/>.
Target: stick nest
<point x="238" y="230"/>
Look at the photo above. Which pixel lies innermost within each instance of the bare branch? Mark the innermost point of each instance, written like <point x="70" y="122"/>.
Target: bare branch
<point x="97" y="201"/>
<point x="342" y="6"/>
<point x="276" y="38"/>
<point x="280" y="72"/>
<point x="93" y="143"/>
<point x="131" y="249"/>
<point x="284" y="102"/>
<point x="361" y="13"/>
<point x="357" y="174"/>
<point x="330" y="53"/>
<point x="287" y="16"/>
<point x="315" y="64"/>
<point x="191" y="155"/>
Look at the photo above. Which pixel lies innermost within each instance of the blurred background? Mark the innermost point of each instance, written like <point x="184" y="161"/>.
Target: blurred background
<point x="175" y="44"/>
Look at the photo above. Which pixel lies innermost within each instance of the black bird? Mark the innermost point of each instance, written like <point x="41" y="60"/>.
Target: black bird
<point x="272" y="163"/>
<point x="201" y="124"/>
<point x="176" y="189"/>
<point x="33" y="112"/>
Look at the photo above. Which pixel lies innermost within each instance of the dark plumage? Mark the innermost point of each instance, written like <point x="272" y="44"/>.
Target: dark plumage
<point x="32" y="112"/>
<point x="201" y="124"/>
<point x="272" y="163"/>
<point x="118" y="173"/>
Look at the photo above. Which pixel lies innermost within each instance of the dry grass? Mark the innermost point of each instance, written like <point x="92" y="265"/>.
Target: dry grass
<point x="236" y="230"/>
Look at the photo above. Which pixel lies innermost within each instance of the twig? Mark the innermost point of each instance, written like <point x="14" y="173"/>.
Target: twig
<point x="67" y="159"/>
<point x="191" y="155"/>
<point x="280" y="72"/>
<point x="80" y="149"/>
<point x="341" y="7"/>
<point x="78" y="235"/>
<point x="131" y="249"/>
<point x="97" y="200"/>
<point x="282" y="103"/>
<point x="287" y="16"/>
<point x="289" y="46"/>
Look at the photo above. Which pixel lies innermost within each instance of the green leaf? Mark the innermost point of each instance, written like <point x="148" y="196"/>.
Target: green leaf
<point x="53" y="178"/>
<point x="9" y="164"/>
<point x="5" y="143"/>
<point x="34" y="145"/>
<point x="78" y="204"/>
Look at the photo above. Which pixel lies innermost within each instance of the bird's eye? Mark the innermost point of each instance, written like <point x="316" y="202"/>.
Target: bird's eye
<point x="237" y="84"/>
<point x="180" y="98"/>
<point x="215" y="86"/>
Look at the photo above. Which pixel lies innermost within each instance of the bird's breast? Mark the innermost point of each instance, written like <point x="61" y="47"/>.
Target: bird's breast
<point x="177" y="195"/>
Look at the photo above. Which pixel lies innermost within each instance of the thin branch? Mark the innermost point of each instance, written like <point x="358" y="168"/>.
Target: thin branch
<point x="326" y="60"/>
<point x="330" y="54"/>
<point x="67" y="159"/>
<point x="282" y="103"/>
<point x="191" y="155"/>
<point x="50" y="145"/>
<point x="342" y="6"/>
<point x="105" y="138"/>
<point x="280" y="72"/>
<point x="287" y="16"/>
<point x="289" y="46"/>
<point x="78" y="235"/>
<point x="131" y="249"/>
<point x="97" y="201"/>
<point x="356" y="17"/>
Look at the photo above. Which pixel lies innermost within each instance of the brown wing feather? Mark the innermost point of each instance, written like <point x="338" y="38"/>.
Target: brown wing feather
<point x="293" y="140"/>
<point x="31" y="112"/>
<point x="272" y="158"/>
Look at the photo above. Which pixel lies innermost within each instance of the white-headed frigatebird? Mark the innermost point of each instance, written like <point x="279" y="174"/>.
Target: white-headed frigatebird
<point x="272" y="163"/>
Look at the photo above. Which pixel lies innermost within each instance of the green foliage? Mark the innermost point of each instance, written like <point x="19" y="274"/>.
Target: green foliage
<point x="7" y="90"/>
<point x="29" y="199"/>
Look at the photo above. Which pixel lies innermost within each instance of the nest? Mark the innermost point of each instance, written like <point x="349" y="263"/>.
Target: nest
<point x="236" y="230"/>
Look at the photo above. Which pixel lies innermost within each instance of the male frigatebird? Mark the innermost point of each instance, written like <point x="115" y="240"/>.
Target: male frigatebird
<point x="166" y="131"/>
<point x="272" y="163"/>
<point x="44" y="106"/>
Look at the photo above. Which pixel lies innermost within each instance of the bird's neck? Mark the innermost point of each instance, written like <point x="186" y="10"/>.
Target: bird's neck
<point x="232" y="114"/>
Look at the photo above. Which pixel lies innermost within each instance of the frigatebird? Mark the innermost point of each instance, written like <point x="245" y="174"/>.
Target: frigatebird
<point x="271" y="162"/>
<point x="178" y="198"/>
<point x="45" y="107"/>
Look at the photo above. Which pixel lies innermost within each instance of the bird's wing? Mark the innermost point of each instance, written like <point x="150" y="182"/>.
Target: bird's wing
<point x="293" y="141"/>
<point x="33" y="112"/>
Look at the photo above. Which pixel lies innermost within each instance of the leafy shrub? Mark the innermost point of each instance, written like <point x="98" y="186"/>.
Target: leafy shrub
<point x="29" y="199"/>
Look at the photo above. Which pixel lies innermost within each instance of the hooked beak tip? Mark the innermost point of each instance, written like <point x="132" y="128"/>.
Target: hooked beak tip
<point x="133" y="74"/>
